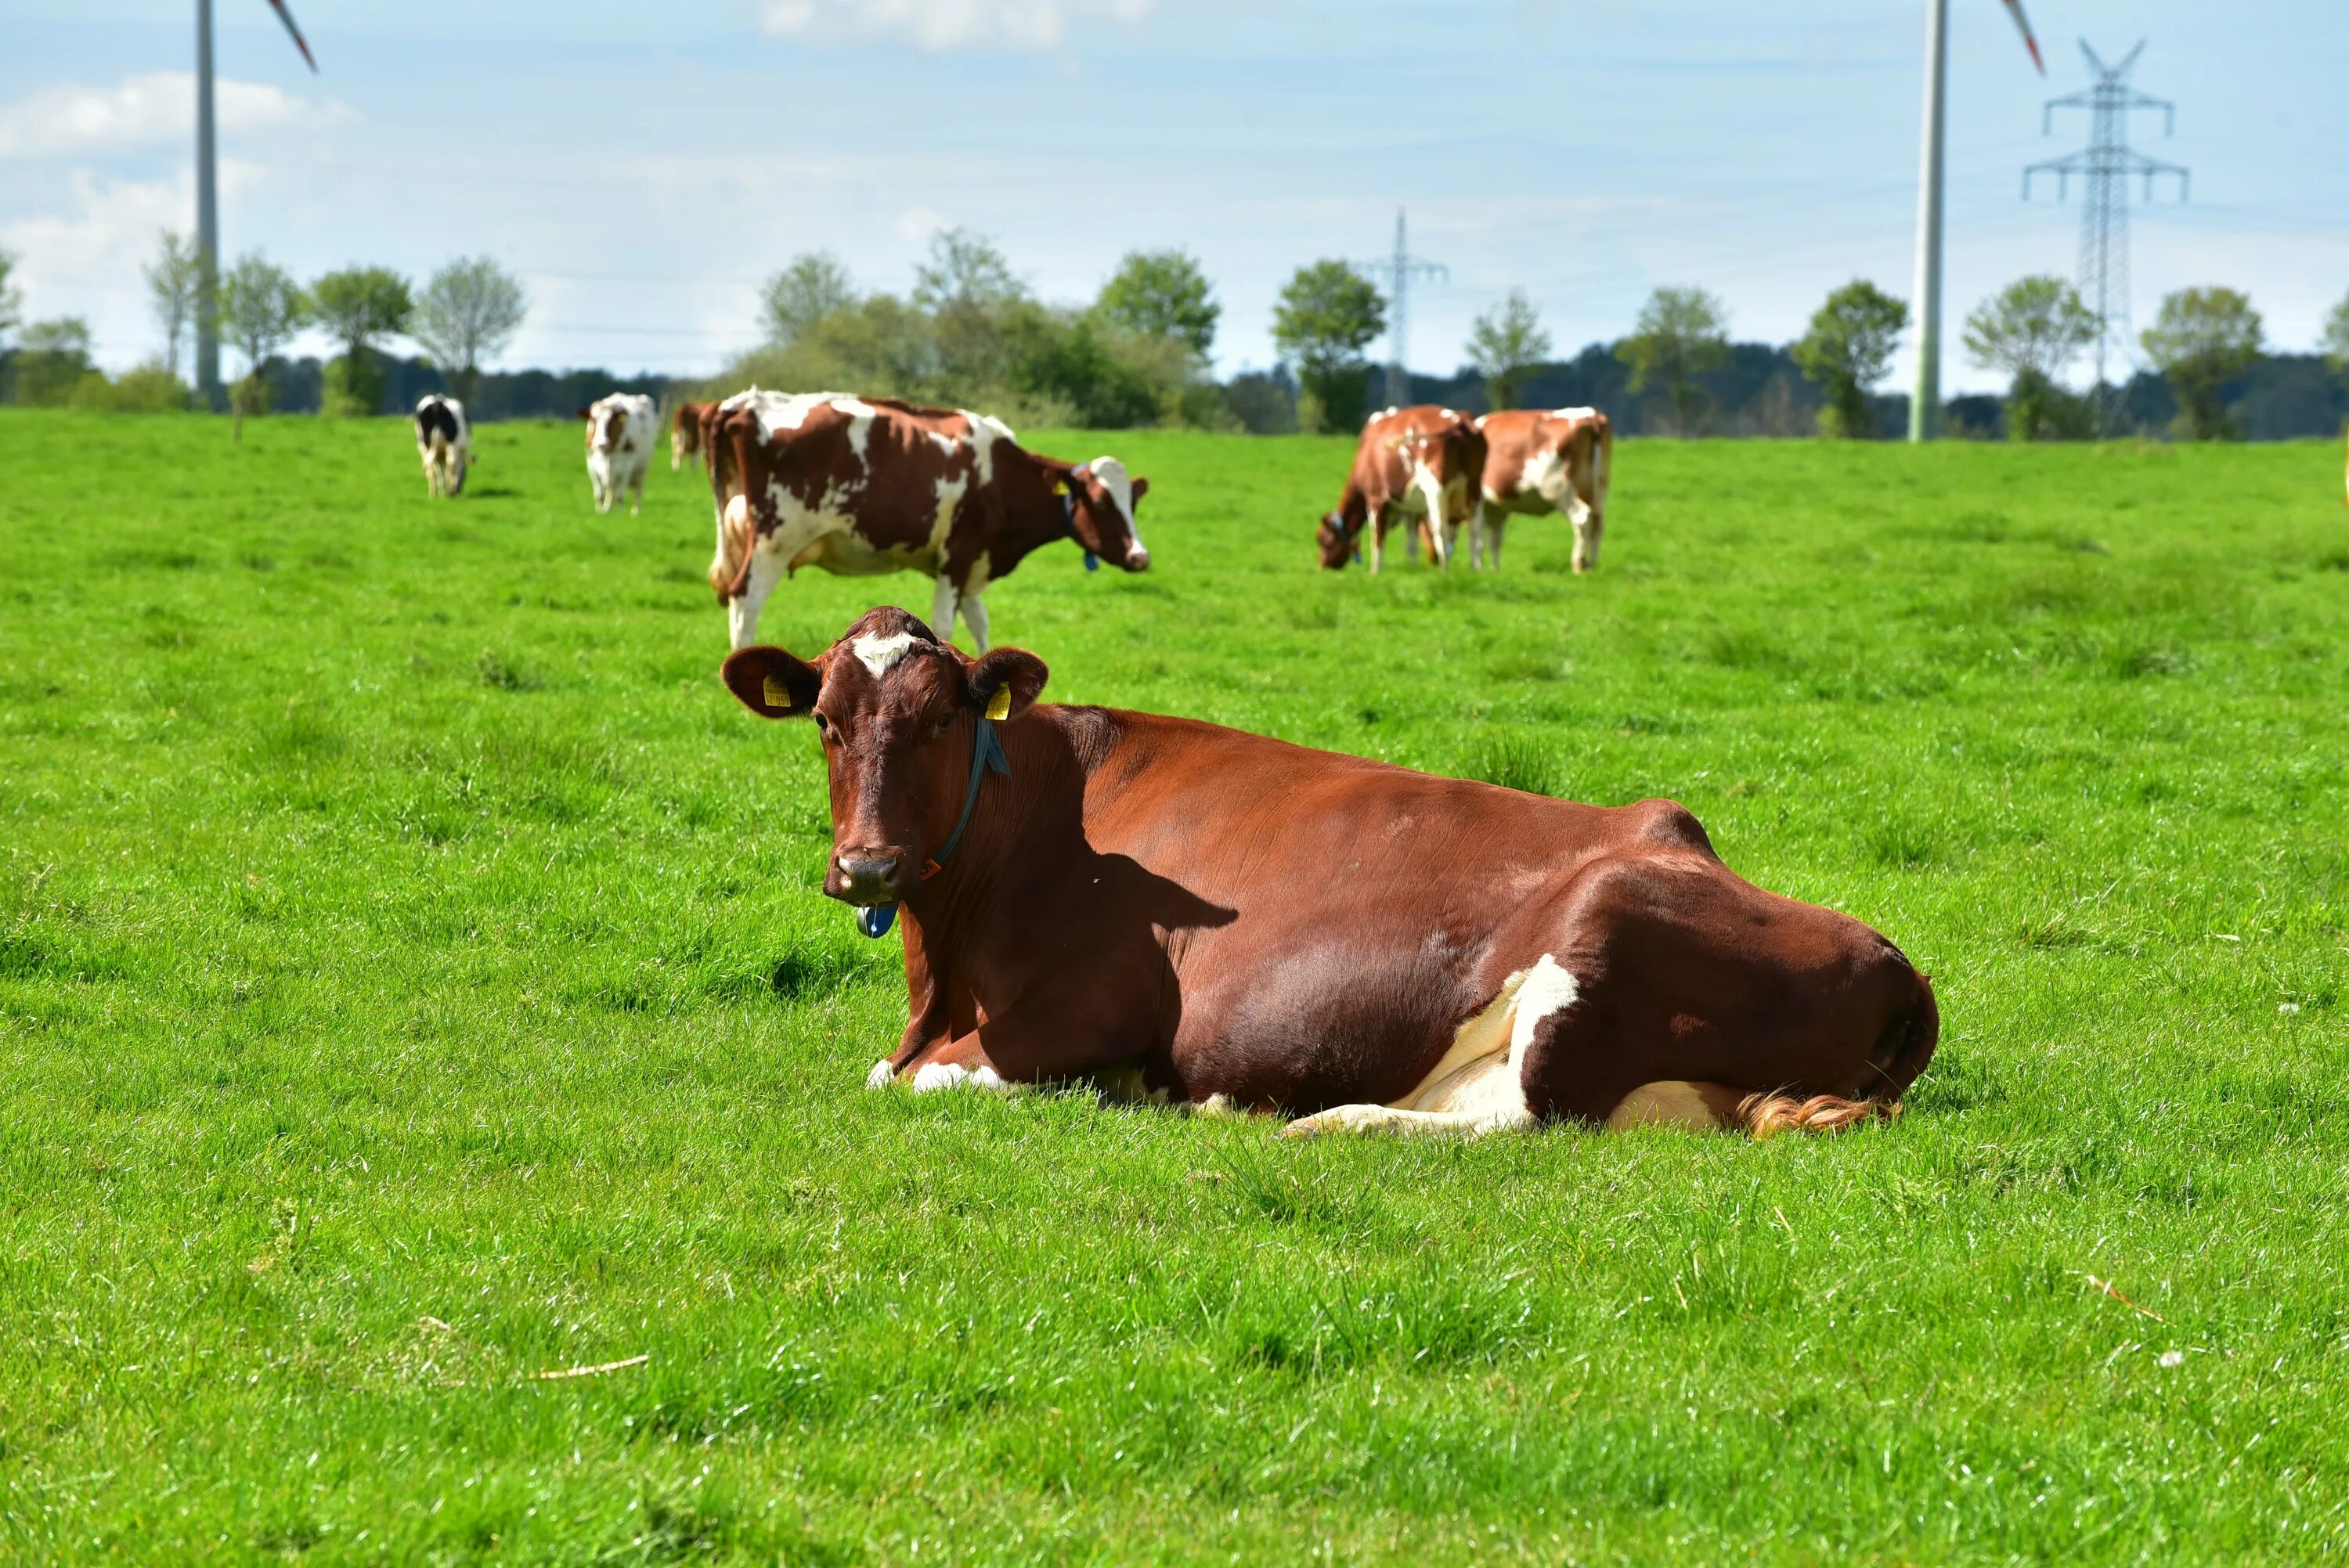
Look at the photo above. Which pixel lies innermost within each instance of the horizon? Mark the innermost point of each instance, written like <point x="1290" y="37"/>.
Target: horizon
<point x="1071" y="131"/>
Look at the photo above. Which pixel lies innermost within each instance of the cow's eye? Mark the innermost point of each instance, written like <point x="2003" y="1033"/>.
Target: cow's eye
<point x="823" y="726"/>
<point x="945" y="723"/>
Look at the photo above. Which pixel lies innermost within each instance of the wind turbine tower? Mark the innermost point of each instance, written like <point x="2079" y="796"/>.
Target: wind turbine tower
<point x="1925" y="398"/>
<point x="208" y="383"/>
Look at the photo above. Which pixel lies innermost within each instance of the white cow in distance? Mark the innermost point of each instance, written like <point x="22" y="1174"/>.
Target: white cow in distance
<point x="620" y="433"/>
<point x="445" y="441"/>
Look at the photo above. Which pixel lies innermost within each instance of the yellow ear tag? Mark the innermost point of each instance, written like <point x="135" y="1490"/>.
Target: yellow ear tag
<point x="778" y="694"/>
<point x="999" y="706"/>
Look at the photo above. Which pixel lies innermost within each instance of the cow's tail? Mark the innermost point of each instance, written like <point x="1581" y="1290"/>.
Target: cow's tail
<point x="729" y="572"/>
<point x="1602" y="464"/>
<point x="1900" y="1054"/>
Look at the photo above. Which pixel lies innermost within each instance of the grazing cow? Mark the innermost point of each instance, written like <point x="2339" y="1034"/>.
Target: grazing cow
<point x="619" y="448"/>
<point x="860" y="486"/>
<point x="445" y="441"/>
<point x="1418" y="465"/>
<point x="1538" y="462"/>
<point x="685" y="432"/>
<point x="1173" y="908"/>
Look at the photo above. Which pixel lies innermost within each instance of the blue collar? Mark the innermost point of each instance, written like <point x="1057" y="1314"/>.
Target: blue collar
<point x="985" y="757"/>
<point x="1069" y="518"/>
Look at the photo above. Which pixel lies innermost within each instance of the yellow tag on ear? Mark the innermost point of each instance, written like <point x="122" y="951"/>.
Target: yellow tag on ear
<point x="999" y="706"/>
<point x="778" y="694"/>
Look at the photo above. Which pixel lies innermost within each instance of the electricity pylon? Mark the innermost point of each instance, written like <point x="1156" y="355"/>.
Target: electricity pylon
<point x="2106" y="165"/>
<point x="1396" y="272"/>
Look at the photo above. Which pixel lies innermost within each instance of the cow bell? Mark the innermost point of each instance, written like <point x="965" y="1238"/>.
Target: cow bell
<point x="876" y="920"/>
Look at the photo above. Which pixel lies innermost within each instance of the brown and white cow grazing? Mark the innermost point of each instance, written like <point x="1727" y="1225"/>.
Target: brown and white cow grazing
<point x="685" y="432"/>
<point x="861" y="486"/>
<point x="1173" y="908"/>
<point x="445" y="441"/>
<point x="1418" y="465"/>
<point x="619" y="448"/>
<point x="1543" y="460"/>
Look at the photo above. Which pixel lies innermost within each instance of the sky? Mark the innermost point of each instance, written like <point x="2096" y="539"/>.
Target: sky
<point x="642" y="168"/>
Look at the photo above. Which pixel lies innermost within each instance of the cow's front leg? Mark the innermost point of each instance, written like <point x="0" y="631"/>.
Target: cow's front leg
<point x="956" y="1064"/>
<point x="943" y="602"/>
<point x="743" y="610"/>
<point x="1497" y="525"/>
<point x="636" y="495"/>
<point x="974" y="615"/>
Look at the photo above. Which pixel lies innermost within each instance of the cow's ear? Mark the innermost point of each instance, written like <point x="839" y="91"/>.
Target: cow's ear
<point x="1003" y="684"/>
<point x="1141" y="488"/>
<point x="770" y="682"/>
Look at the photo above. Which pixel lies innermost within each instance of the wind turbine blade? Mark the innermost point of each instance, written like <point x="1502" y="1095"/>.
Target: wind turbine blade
<point x="2023" y="26"/>
<point x="287" y="17"/>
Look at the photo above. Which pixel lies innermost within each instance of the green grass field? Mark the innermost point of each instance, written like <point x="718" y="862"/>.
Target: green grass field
<point x="413" y="979"/>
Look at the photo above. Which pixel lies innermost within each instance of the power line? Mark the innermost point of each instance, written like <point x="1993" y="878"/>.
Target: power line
<point x="2106" y="165"/>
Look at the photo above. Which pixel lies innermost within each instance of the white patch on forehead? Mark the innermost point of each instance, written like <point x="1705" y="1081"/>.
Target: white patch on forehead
<point x="1118" y="482"/>
<point x="880" y="654"/>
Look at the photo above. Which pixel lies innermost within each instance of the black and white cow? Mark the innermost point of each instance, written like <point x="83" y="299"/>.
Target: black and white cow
<point x="445" y="441"/>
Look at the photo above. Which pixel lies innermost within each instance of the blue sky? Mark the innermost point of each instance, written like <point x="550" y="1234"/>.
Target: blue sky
<point x="643" y="167"/>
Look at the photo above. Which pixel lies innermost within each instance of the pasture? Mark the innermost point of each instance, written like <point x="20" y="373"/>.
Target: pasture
<point x="413" y="981"/>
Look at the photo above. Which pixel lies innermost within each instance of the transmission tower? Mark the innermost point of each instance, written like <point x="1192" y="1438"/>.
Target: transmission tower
<point x="2106" y="166"/>
<point x="1396" y="272"/>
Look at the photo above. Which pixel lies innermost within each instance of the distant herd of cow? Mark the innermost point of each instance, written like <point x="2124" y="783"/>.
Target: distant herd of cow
<point x="861" y="486"/>
<point x="1174" y="911"/>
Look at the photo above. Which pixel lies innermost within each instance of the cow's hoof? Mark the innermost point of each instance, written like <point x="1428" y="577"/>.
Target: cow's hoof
<point x="881" y="1075"/>
<point x="935" y="1075"/>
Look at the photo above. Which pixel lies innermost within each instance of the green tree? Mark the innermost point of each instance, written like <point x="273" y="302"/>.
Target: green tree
<point x="52" y="357"/>
<point x="815" y="285"/>
<point x="1162" y="294"/>
<point x="1847" y="350"/>
<point x="2335" y="341"/>
<point x="261" y="310"/>
<point x="358" y="307"/>
<point x="1681" y="334"/>
<point x="11" y="304"/>
<point x="175" y="280"/>
<point x="969" y="292"/>
<point x="1325" y="316"/>
<point x="2202" y="339"/>
<point x="468" y="313"/>
<point x="1504" y="346"/>
<point x="2033" y="329"/>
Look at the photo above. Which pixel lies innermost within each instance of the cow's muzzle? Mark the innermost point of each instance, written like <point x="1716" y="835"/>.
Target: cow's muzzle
<point x="1137" y="559"/>
<point x="866" y="877"/>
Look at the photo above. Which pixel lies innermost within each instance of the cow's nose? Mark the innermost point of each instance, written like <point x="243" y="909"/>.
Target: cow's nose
<point x="868" y="876"/>
<point x="1137" y="559"/>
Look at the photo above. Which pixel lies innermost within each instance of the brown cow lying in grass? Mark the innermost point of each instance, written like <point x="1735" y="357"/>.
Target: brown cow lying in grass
<point x="1178" y="910"/>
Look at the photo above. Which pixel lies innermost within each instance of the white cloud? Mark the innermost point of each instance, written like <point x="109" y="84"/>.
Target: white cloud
<point x="939" y="24"/>
<point x="916" y="225"/>
<point x="153" y="106"/>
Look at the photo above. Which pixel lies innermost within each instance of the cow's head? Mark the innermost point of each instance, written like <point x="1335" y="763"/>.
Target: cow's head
<point x="1335" y="540"/>
<point x="896" y="708"/>
<point x="605" y="424"/>
<point x="1102" y="501"/>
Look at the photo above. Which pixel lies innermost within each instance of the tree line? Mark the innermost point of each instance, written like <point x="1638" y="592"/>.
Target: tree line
<point x="972" y="333"/>
<point x="466" y="313"/>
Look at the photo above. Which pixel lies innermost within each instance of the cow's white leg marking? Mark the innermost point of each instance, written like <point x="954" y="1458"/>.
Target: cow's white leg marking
<point x="1438" y="529"/>
<point x="934" y="1076"/>
<point x="1496" y="523"/>
<point x="742" y="613"/>
<point x="881" y="1075"/>
<point x="974" y="615"/>
<point x="942" y="607"/>
<point x="1479" y="1086"/>
<point x="1374" y="525"/>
